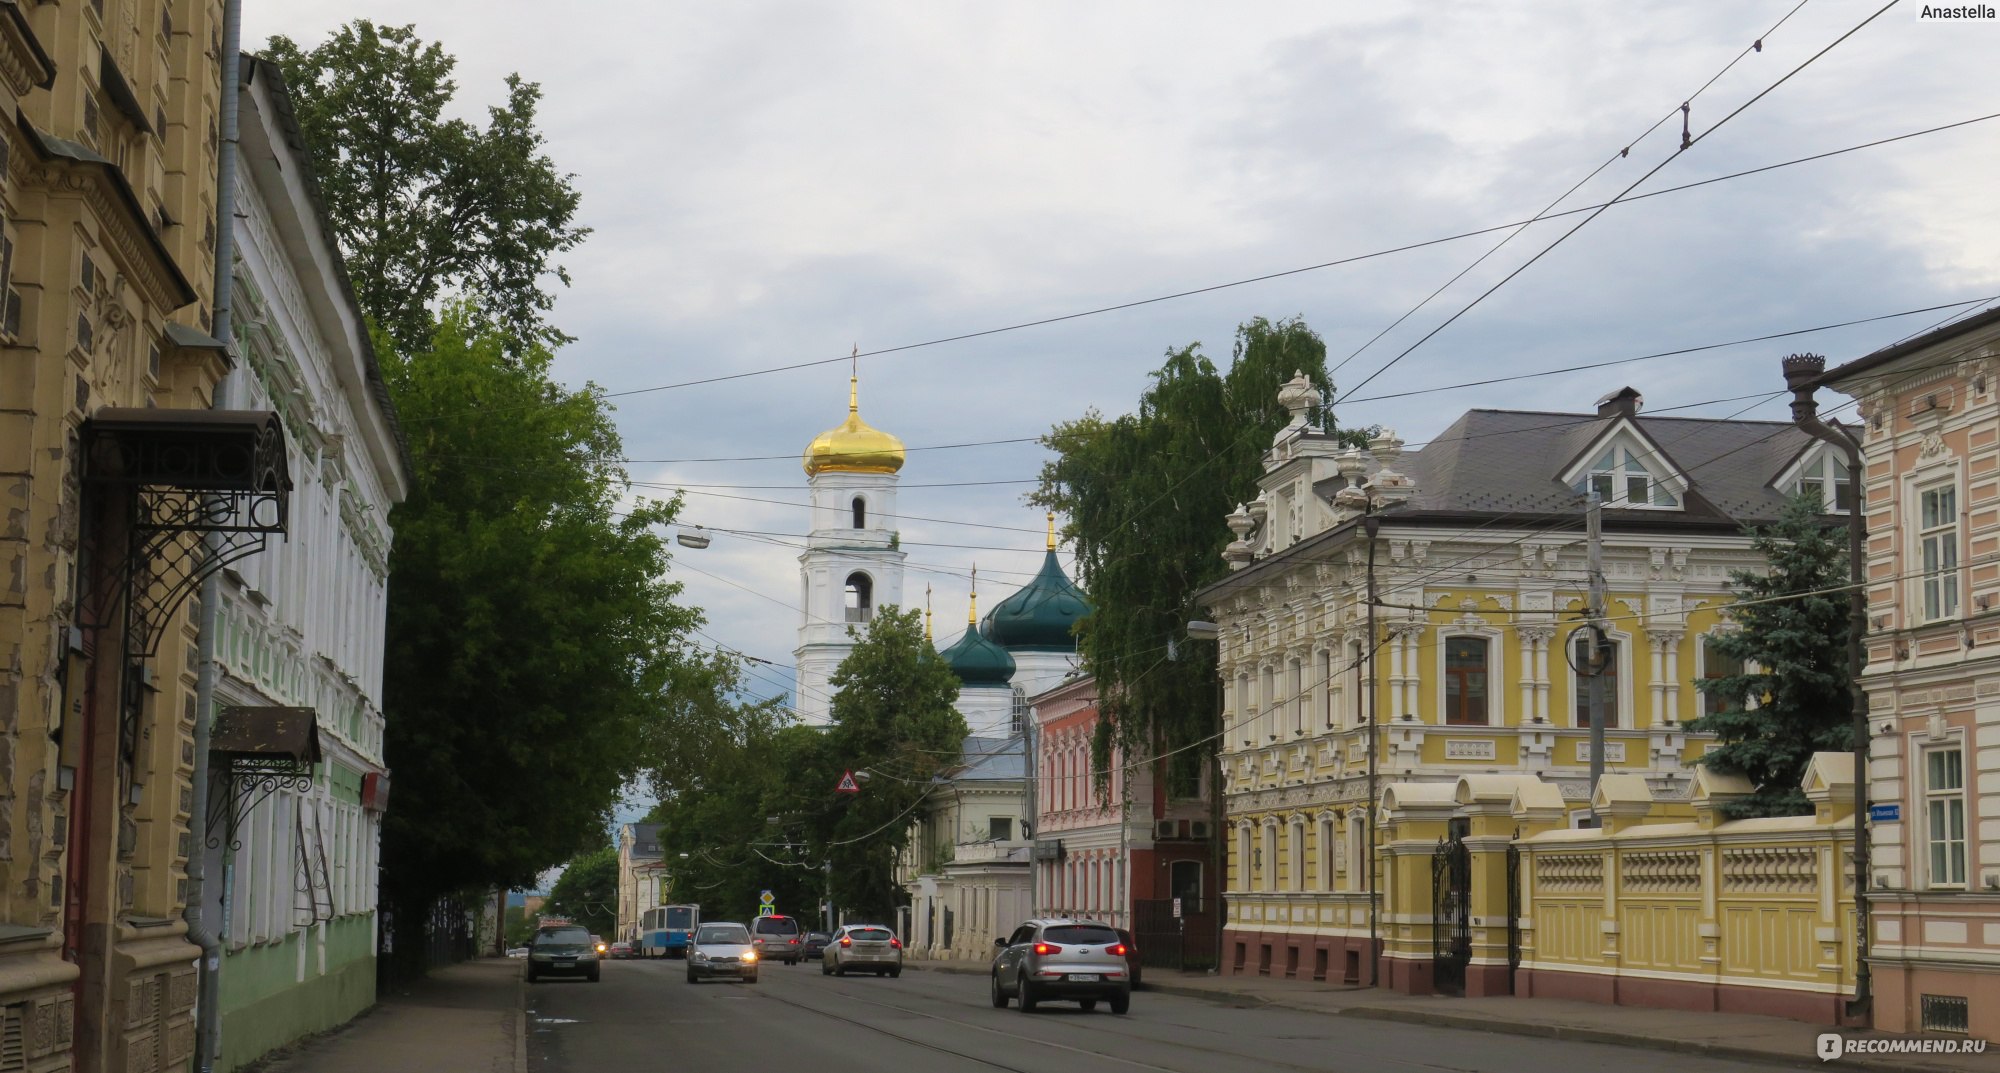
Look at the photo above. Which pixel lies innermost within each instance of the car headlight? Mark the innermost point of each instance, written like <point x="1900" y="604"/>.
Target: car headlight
<point x="751" y="956"/>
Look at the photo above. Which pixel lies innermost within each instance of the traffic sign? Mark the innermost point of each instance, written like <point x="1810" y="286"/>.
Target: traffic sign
<point x="766" y="898"/>
<point x="1891" y="812"/>
<point x="847" y="784"/>
<point x="767" y="910"/>
<point x="1177" y="908"/>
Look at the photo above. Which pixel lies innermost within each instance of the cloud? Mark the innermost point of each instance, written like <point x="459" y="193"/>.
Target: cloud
<point x="775" y="182"/>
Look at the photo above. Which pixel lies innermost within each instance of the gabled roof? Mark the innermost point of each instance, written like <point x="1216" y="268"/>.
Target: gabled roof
<point x="1510" y="461"/>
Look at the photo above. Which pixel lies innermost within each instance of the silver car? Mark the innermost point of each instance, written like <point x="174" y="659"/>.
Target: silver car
<point x="721" y="950"/>
<point x="862" y="948"/>
<point x="1062" y="959"/>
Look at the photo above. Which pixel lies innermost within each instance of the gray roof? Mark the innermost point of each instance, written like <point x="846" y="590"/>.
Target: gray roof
<point x="1511" y="462"/>
<point x="992" y="760"/>
<point x="645" y="840"/>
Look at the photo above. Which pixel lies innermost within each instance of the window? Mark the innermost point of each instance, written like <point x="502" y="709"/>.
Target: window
<point x="1018" y="720"/>
<point x="1296" y="835"/>
<point x="1716" y="664"/>
<point x="1267" y="693"/>
<point x="1328" y="839"/>
<point x="1245" y="861"/>
<point x="1323" y="672"/>
<point x="860" y="598"/>
<point x="1944" y="815"/>
<point x="1824" y="471"/>
<point x="1938" y="548"/>
<point x="1268" y="862"/>
<point x="1465" y="660"/>
<point x="1298" y="698"/>
<point x="1620" y="479"/>
<point x="1608" y="652"/>
<point x="1000" y="829"/>
<point x="860" y="513"/>
<point x="1245" y="708"/>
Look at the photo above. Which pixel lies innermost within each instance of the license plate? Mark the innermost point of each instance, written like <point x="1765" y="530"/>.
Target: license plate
<point x="1084" y="977"/>
<point x="566" y="962"/>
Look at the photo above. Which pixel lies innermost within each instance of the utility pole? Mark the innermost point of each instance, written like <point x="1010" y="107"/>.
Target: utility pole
<point x="1594" y="527"/>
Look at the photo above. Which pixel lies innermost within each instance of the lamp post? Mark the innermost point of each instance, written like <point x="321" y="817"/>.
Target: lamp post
<point x="1199" y="630"/>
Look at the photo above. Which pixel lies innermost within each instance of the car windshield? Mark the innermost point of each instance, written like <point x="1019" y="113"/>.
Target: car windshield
<point x="562" y="935"/>
<point x="871" y="935"/>
<point x="1081" y="935"/>
<point x="722" y="933"/>
<point x="778" y="926"/>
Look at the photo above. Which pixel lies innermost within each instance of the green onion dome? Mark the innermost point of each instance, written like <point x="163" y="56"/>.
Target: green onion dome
<point x="978" y="661"/>
<point x="1040" y="617"/>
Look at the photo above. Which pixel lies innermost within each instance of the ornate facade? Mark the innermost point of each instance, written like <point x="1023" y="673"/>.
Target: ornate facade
<point x="1474" y="550"/>
<point x="1931" y="452"/>
<point x="301" y="624"/>
<point x="108" y="157"/>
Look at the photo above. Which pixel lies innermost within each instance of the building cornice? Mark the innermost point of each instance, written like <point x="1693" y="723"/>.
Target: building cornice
<point x="64" y="167"/>
<point x="23" y="63"/>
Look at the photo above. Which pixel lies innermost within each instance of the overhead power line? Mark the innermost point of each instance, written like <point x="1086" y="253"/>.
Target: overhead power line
<point x="1261" y="278"/>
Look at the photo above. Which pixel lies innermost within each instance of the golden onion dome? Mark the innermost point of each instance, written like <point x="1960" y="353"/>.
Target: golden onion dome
<point x="854" y="447"/>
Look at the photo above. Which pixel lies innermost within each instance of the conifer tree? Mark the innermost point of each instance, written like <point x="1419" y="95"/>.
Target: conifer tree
<point x="1791" y="700"/>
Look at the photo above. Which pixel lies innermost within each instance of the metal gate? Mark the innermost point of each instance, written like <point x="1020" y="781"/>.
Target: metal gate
<point x="1160" y="935"/>
<point x="1451" y="920"/>
<point x="1513" y="914"/>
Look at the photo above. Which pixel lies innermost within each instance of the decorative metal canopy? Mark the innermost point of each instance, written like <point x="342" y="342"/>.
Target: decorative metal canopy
<point x="219" y="473"/>
<point x="255" y="751"/>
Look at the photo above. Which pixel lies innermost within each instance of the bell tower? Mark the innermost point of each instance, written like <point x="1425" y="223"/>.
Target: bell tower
<point x="851" y="566"/>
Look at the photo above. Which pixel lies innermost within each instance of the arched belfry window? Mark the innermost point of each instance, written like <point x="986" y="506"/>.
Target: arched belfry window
<point x="860" y="598"/>
<point x="860" y="513"/>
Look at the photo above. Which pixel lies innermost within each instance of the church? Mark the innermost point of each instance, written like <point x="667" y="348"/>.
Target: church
<point x="966" y="865"/>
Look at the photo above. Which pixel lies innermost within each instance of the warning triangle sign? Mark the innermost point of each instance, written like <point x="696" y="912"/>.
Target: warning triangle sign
<point x="847" y="784"/>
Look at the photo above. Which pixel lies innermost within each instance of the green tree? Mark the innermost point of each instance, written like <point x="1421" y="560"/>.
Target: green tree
<point x="893" y="717"/>
<point x="425" y="207"/>
<point x="1792" y="633"/>
<point x="531" y="625"/>
<point x="718" y="829"/>
<point x="1145" y="495"/>
<point x="587" y="892"/>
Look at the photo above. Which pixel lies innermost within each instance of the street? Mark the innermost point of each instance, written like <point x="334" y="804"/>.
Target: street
<point x="644" y="1016"/>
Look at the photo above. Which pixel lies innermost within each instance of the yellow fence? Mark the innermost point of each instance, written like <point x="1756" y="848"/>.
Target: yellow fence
<point x="1650" y="909"/>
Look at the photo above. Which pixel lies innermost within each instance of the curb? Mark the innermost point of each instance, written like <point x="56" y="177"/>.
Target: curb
<point x="520" y="1013"/>
<point x="1615" y="1037"/>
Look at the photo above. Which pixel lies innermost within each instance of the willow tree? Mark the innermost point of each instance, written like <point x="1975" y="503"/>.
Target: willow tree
<point x="1145" y="494"/>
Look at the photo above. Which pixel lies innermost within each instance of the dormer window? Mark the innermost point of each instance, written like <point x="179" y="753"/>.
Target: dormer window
<point x="1621" y="478"/>
<point x="1826" y="476"/>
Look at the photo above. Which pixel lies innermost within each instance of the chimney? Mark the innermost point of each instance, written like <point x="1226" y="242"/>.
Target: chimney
<point x="1624" y="402"/>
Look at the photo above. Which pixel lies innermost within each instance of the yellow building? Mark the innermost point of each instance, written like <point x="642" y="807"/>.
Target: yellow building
<point x="1476" y="549"/>
<point x="110" y="466"/>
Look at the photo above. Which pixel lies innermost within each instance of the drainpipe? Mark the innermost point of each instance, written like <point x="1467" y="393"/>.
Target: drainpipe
<point x="203" y="933"/>
<point x="1802" y="373"/>
<point x="1372" y="526"/>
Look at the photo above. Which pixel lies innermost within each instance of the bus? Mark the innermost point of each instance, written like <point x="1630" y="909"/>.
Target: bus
<point x="664" y="930"/>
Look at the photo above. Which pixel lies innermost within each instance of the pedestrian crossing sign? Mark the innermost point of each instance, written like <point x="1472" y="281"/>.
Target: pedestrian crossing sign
<point x="847" y="784"/>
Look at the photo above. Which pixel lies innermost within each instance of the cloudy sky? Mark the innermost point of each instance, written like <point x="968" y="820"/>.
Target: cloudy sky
<point x="776" y="182"/>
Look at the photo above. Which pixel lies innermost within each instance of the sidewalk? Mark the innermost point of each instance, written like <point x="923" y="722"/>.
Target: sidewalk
<point x="1745" y="1037"/>
<point x="467" y="1017"/>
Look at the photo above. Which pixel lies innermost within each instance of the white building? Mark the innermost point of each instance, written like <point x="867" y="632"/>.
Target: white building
<point x="851" y="564"/>
<point x="301" y="624"/>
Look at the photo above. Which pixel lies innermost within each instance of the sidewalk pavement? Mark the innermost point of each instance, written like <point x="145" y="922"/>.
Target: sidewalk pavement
<point x="1745" y="1037"/>
<point x="468" y="1018"/>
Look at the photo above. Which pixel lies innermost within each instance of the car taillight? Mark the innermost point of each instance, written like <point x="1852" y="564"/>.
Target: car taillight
<point x="1046" y="948"/>
<point x="845" y="941"/>
<point x="895" y="943"/>
<point x="1117" y="951"/>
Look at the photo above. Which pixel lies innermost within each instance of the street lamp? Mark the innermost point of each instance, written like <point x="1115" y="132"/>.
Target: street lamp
<point x="1202" y="630"/>
<point x="695" y="538"/>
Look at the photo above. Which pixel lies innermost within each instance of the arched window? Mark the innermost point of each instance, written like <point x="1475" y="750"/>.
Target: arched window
<point x="860" y="598"/>
<point x="860" y="513"/>
<point x="1020" y="719"/>
<point x="1270" y="854"/>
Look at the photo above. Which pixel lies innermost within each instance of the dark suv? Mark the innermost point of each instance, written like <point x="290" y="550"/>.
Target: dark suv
<point x="778" y="939"/>
<point x="1062" y="959"/>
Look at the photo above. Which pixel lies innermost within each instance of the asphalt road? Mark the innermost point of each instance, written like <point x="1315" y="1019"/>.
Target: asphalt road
<point x="644" y="1016"/>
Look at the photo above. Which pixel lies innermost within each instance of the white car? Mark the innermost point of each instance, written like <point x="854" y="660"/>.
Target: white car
<point x="862" y="948"/>
<point x="721" y="950"/>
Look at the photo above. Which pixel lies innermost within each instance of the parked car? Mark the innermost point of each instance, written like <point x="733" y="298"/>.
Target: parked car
<point x="518" y="952"/>
<point x="863" y="948"/>
<point x="1061" y="959"/>
<point x="621" y="951"/>
<point x="1131" y="957"/>
<point x="562" y="950"/>
<point x="815" y="943"/>
<point x="778" y="939"/>
<point x="722" y="950"/>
